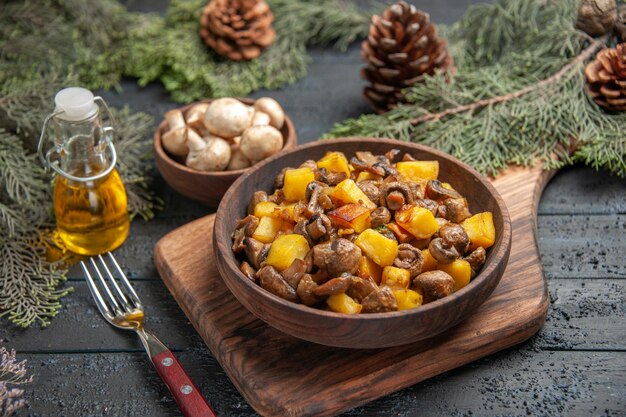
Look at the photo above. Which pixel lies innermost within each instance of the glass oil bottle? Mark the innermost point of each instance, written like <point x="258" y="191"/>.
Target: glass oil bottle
<point x="90" y="203"/>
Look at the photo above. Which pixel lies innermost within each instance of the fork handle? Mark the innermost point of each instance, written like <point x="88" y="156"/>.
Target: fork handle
<point x="184" y="391"/>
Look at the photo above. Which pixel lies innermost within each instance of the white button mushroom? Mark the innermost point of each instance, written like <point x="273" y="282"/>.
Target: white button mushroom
<point x="207" y="154"/>
<point x="271" y="107"/>
<point x="259" y="142"/>
<point x="260" y="119"/>
<point x="174" y="119"/>
<point x="195" y="117"/>
<point x="175" y="141"/>
<point x="227" y="117"/>
<point x="237" y="159"/>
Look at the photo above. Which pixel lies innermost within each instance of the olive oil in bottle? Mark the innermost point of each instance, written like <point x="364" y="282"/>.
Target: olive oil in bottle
<point x="90" y="203"/>
<point x="91" y="217"/>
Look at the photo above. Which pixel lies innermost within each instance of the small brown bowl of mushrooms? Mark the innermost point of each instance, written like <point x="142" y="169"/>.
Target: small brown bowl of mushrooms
<point x="202" y="148"/>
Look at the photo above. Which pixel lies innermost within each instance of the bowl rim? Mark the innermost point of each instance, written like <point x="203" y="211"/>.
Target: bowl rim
<point x="501" y="253"/>
<point x="289" y="138"/>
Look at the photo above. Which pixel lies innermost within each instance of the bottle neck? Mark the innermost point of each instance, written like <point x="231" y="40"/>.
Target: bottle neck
<point x="83" y="153"/>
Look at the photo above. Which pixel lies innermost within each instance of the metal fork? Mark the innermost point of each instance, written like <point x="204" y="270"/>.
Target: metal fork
<point x="120" y="305"/>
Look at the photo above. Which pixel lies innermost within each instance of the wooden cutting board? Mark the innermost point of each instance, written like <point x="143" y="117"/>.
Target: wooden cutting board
<point x="280" y="375"/>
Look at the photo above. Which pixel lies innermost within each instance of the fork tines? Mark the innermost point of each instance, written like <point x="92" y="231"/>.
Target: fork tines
<point x="113" y="299"/>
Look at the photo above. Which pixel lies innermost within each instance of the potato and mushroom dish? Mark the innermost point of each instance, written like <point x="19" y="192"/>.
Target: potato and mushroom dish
<point x="365" y="235"/>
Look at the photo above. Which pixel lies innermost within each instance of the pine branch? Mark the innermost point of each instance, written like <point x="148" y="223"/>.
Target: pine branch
<point x="501" y="108"/>
<point x="582" y="57"/>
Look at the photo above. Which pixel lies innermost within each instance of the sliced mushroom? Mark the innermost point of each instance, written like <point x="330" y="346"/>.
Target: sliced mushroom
<point x="306" y="286"/>
<point x="333" y="286"/>
<point x="428" y="204"/>
<point x="256" y="252"/>
<point x="434" y="285"/>
<point x="257" y="197"/>
<point x="411" y="258"/>
<point x="318" y="226"/>
<point x="360" y="165"/>
<point x="313" y="191"/>
<point x="300" y="229"/>
<point x="278" y="197"/>
<point x="366" y="157"/>
<point x="311" y="164"/>
<point x="386" y="168"/>
<point x="248" y="271"/>
<point x="477" y="258"/>
<point x="279" y="181"/>
<point x="454" y="235"/>
<point x="442" y="252"/>
<point x="379" y="217"/>
<point x="454" y="209"/>
<point x="371" y="189"/>
<point x="408" y="157"/>
<point x="391" y="155"/>
<point x="361" y="288"/>
<point x="380" y="301"/>
<point x="395" y="194"/>
<point x="417" y="189"/>
<point x="244" y="228"/>
<point x="330" y="177"/>
<point x="337" y="257"/>
<point x="295" y="272"/>
<point x="272" y="281"/>
<point x="325" y="202"/>
<point x="436" y="191"/>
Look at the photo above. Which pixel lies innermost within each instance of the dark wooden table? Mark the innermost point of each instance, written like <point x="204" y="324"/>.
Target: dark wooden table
<point x="576" y="365"/>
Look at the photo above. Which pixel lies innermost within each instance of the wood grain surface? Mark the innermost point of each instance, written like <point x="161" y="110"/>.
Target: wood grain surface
<point x="282" y="376"/>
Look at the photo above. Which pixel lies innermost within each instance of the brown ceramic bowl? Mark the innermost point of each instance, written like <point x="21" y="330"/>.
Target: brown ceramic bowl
<point x="361" y="330"/>
<point x="205" y="187"/>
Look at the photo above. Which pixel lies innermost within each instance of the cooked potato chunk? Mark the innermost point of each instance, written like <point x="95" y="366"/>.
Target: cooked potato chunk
<point x="460" y="270"/>
<point x="351" y="216"/>
<point x="334" y="162"/>
<point x="285" y="249"/>
<point x="265" y="209"/>
<point x="408" y="299"/>
<point x="396" y="278"/>
<point x="377" y="247"/>
<point x="267" y="229"/>
<point x="296" y="181"/>
<point x="343" y="303"/>
<point x="418" y="171"/>
<point x="347" y="192"/>
<point x="430" y="263"/>
<point x="369" y="269"/>
<point x="418" y="221"/>
<point x="480" y="230"/>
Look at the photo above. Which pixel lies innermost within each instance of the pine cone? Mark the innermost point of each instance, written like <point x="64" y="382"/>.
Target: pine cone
<point x="606" y="78"/>
<point x="238" y="29"/>
<point x="596" y="17"/>
<point x="401" y="48"/>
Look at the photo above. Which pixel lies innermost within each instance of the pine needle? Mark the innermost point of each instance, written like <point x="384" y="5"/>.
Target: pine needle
<point x="518" y="96"/>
